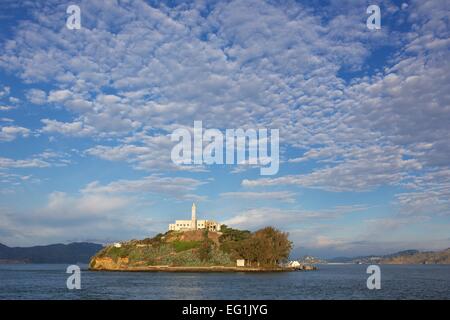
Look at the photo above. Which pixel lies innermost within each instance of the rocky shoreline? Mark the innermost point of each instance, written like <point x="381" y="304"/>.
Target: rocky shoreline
<point x="199" y="269"/>
<point x="192" y="269"/>
<point x="122" y="264"/>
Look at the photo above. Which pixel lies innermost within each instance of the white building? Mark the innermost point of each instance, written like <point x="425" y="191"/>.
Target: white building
<point x="194" y="224"/>
<point x="240" y="263"/>
<point x="294" y="264"/>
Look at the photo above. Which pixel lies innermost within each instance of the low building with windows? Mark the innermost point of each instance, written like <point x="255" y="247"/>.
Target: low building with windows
<point x="194" y="224"/>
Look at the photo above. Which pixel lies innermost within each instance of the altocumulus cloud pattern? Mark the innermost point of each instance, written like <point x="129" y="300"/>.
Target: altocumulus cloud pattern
<point x="363" y="117"/>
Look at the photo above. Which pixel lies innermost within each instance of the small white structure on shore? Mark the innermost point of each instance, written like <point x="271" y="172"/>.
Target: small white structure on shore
<point x="294" y="264"/>
<point x="240" y="263"/>
<point x="117" y="245"/>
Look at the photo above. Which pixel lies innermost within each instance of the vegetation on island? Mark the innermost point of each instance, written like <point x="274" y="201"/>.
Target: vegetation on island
<point x="266" y="247"/>
<point x="199" y="248"/>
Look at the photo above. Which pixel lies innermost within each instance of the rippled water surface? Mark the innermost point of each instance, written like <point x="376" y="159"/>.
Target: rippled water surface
<point x="41" y="281"/>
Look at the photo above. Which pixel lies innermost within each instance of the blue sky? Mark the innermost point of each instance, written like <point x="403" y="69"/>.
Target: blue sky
<point x="86" y="117"/>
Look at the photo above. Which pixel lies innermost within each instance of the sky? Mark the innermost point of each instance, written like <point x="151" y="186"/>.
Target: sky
<point x="86" y="117"/>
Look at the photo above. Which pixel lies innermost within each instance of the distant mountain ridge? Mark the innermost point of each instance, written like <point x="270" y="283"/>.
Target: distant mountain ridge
<point x="401" y="257"/>
<point x="54" y="253"/>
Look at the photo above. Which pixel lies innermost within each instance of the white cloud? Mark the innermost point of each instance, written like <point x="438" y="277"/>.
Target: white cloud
<point x="67" y="217"/>
<point x="4" y="91"/>
<point x="285" y="196"/>
<point x="287" y="218"/>
<point x="428" y="194"/>
<point x="76" y="128"/>
<point x="14" y="100"/>
<point x="59" y="95"/>
<point x="144" y="152"/>
<point x="36" y="96"/>
<point x="361" y="169"/>
<point x="10" y="133"/>
<point x="60" y="205"/>
<point x="118" y="153"/>
<point x="28" y="163"/>
<point x="245" y="77"/>
<point x="173" y="186"/>
<point x="44" y="159"/>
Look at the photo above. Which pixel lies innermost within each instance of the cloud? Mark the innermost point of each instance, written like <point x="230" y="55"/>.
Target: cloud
<point x="173" y="186"/>
<point x="237" y="73"/>
<point x="4" y="91"/>
<point x="284" y="196"/>
<point x="59" y="95"/>
<point x="6" y="108"/>
<point x="27" y="163"/>
<point x="361" y="169"/>
<point x="65" y="218"/>
<point x="287" y="218"/>
<point x="118" y="153"/>
<point x="44" y="159"/>
<point x="9" y="182"/>
<point x="143" y="152"/>
<point x="10" y="133"/>
<point x="76" y="128"/>
<point x="14" y="100"/>
<point x="246" y="76"/>
<point x="109" y="211"/>
<point x="62" y="206"/>
<point x="36" y="96"/>
<point x="428" y="194"/>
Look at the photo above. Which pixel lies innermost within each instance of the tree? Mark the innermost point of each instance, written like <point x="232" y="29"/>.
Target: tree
<point x="276" y="245"/>
<point x="230" y="234"/>
<point x="267" y="246"/>
<point x="232" y="241"/>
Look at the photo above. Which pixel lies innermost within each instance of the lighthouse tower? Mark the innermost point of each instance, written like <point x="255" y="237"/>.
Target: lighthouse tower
<point x="194" y="217"/>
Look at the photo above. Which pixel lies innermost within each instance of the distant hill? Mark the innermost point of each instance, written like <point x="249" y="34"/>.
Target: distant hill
<point x="401" y="257"/>
<point x="54" y="253"/>
<point x="409" y="257"/>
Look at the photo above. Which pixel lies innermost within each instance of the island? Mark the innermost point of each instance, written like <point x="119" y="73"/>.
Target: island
<point x="201" y="246"/>
<point x="199" y="251"/>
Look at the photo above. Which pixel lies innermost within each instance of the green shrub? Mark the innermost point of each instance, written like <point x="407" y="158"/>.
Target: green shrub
<point x="149" y="254"/>
<point x="185" y="245"/>
<point x="186" y="258"/>
<point x="218" y="257"/>
<point x="114" y="253"/>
